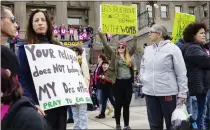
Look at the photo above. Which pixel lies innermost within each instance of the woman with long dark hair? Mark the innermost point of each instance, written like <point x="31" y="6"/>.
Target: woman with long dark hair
<point x="39" y="31"/>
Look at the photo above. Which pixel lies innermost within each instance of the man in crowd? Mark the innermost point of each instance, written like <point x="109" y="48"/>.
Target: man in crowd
<point x="89" y="30"/>
<point x="8" y="31"/>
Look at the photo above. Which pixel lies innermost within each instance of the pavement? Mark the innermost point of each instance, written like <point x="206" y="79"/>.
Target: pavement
<point x="138" y="120"/>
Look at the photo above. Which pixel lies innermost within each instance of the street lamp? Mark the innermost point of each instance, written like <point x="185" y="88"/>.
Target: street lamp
<point x="154" y="5"/>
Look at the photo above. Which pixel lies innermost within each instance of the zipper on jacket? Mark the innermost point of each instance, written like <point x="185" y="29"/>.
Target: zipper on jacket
<point x="154" y="71"/>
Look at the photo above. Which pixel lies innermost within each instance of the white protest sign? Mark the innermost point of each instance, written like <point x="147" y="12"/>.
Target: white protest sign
<point x="57" y="76"/>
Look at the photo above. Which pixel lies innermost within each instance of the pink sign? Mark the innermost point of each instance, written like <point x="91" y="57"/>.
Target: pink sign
<point x="63" y="31"/>
<point x="84" y="35"/>
<point x="109" y="36"/>
<point x="17" y="34"/>
<point x="71" y="31"/>
<point x="80" y="37"/>
<point x="55" y="30"/>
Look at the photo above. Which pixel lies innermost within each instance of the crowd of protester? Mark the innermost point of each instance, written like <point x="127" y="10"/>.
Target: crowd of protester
<point x="170" y="75"/>
<point x="74" y="33"/>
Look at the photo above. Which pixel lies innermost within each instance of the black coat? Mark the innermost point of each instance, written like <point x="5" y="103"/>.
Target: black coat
<point x="198" y="68"/>
<point x="9" y="60"/>
<point x="23" y="115"/>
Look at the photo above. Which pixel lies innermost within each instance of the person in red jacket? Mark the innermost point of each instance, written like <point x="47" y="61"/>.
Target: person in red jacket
<point x="106" y="87"/>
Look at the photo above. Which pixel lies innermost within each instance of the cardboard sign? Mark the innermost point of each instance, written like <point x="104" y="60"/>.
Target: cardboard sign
<point x="84" y="35"/>
<point x="181" y="21"/>
<point x="55" y="30"/>
<point x="63" y="31"/>
<point x="71" y="31"/>
<point x="80" y="37"/>
<point x="70" y="43"/>
<point x="57" y="76"/>
<point x="109" y="36"/>
<point x="17" y="35"/>
<point x="118" y="19"/>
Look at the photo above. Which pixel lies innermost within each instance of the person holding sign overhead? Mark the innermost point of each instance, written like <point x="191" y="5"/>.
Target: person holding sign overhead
<point x="39" y="31"/>
<point x="121" y="73"/>
<point x="62" y="31"/>
<point x="164" y="78"/>
<point x="71" y="33"/>
<point x="55" y="30"/>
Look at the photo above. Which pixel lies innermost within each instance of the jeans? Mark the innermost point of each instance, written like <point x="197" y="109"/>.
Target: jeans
<point x="138" y="92"/>
<point x="62" y="37"/>
<point x="201" y="103"/>
<point x="159" y="107"/>
<point x="106" y="94"/>
<point x="99" y="93"/>
<point x="80" y="117"/>
<point x="70" y="113"/>
<point x="71" y="38"/>
<point x="192" y="106"/>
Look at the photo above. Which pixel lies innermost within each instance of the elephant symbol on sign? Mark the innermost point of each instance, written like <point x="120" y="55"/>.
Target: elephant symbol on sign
<point x="115" y="16"/>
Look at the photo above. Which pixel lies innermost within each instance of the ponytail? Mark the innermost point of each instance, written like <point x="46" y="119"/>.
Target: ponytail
<point x="167" y="37"/>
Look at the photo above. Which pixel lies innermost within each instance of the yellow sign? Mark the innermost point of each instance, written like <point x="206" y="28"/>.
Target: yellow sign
<point x="77" y="43"/>
<point x="118" y="19"/>
<point x="181" y="21"/>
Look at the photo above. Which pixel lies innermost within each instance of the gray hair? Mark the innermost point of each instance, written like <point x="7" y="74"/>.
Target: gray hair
<point x="3" y="10"/>
<point x="161" y="29"/>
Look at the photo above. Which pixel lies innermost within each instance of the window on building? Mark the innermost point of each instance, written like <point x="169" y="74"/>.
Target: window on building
<point x="164" y="11"/>
<point x="74" y="21"/>
<point x="192" y="10"/>
<point x="149" y="8"/>
<point x="178" y="8"/>
<point x="205" y="10"/>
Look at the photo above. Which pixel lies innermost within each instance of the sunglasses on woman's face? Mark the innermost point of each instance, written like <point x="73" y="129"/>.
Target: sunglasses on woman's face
<point x="120" y="47"/>
<point x="12" y="19"/>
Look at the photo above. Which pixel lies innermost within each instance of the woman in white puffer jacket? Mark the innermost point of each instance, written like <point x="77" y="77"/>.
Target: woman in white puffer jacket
<point x="163" y="74"/>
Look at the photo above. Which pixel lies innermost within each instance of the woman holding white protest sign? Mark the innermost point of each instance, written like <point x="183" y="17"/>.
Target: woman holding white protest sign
<point x="121" y="73"/>
<point x="39" y="31"/>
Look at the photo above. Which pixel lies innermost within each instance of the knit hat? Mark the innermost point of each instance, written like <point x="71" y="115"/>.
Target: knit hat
<point x="123" y="43"/>
<point x="77" y="48"/>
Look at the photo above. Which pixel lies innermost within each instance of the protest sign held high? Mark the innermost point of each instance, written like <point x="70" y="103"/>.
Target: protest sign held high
<point x="57" y="76"/>
<point x="181" y="21"/>
<point x="118" y="19"/>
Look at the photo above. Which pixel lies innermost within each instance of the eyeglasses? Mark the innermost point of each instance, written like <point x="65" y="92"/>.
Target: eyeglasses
<point x="120" y="47"/>
<point x="12" y="19"/>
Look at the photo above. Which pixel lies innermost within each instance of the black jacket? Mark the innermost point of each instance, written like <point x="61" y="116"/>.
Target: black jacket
<point x="23" y="115"/>
<point x="96" y="84"/>
<point x="198" y="68"/>
<point x="9" y="60"/>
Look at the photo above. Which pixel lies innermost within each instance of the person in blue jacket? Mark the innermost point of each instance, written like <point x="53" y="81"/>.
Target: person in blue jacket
<point x="39" y="31"/>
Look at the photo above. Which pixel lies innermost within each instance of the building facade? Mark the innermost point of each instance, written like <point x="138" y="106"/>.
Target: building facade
<point x="81" y="13"/>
